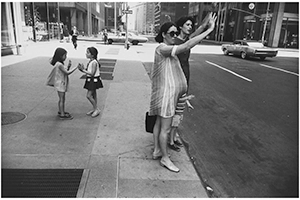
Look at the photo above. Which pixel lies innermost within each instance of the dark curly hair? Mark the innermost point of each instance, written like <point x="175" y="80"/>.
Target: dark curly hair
<point x="182" y="20"/>
<point x="163" y="29"/>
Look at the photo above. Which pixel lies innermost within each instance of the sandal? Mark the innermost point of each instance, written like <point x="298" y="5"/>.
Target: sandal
<point x="156" y="156"/>
<point x="90" y="112"/>
<point x="174" y="147"/>
<point x="178" y="143"/>
<point x="69" y="117"/>
<point x="96" y="113"/>
<point x="66" y="113"/>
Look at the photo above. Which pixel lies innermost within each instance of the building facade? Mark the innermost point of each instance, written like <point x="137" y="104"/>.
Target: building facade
<point x="40" y="21"/>
<point x="274" y="23"/>
<point x="169" y="11"/>
<point x="144" y="18"/>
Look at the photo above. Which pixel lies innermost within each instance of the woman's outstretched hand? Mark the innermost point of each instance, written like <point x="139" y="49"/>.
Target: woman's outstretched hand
<point x="212" y="21"/>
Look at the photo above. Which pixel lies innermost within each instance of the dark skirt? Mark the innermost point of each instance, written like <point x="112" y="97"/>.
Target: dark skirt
<point x="93" y="83"/>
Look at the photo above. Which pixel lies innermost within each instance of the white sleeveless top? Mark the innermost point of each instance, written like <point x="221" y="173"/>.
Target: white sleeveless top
<point x="89" y="68"/>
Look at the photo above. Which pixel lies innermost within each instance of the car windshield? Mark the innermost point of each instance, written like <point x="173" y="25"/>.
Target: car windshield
<point x="255" y="44"/>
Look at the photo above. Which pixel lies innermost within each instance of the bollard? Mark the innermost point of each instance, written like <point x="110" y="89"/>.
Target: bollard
<point x="19" y="49"/>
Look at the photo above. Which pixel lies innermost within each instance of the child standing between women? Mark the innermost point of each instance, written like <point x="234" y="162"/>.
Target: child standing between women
<point x="93" y="80"/>
<point x="61" y="80"/>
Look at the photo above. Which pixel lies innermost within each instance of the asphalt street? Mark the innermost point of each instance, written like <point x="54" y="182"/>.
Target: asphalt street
<point x="243" y="132"/>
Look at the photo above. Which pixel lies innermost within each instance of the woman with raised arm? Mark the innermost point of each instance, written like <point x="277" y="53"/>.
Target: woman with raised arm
<point x="168" y="84"/>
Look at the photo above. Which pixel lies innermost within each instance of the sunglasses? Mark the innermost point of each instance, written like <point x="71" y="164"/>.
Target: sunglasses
<point x="173" y="33"/>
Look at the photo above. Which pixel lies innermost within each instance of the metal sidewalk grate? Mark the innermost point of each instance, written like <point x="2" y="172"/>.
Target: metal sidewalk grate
<point x="40" y="182"/>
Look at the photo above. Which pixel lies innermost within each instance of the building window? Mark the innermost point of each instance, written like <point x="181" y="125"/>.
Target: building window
<point x="7" y="35"/>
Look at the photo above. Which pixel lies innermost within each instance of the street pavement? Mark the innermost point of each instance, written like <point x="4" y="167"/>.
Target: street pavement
<point x="113" y="149"/>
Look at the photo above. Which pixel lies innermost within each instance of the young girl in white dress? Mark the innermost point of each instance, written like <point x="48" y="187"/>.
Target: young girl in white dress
<point x="93" y="80"/>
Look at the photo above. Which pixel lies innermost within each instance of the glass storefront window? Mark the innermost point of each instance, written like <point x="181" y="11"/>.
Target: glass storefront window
<point x="7" y="35"/>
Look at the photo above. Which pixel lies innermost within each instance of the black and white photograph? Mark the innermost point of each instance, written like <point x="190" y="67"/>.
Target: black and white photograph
<point x="145" y="99"/>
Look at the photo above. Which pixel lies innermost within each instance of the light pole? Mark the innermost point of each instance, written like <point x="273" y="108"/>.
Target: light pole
<point x="115" y="5"/>
<point x="126" y="41"/>
<point x="58" y="20"/>
<point x="265" y="24"/>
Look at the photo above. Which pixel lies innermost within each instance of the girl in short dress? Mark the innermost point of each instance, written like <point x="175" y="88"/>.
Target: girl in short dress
<point x="93" y="80"/>
<point x="61" y="82"/>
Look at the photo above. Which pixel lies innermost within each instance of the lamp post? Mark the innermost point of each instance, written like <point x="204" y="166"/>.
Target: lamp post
<point x="115" y="5"/>
<point x="58" y="20"/>
<point x="265" y="24"/>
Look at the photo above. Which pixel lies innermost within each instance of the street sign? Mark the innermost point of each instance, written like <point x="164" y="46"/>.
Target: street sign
<point x="127" y="11"/>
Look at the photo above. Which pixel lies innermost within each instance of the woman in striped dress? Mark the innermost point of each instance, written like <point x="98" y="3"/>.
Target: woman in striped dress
<point x="168" y="84"/>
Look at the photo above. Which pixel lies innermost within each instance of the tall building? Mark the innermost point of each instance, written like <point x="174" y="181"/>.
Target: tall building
<point x="144" y="17"/>
<point x="169" y="11"/>
<point x="110" y="20"/>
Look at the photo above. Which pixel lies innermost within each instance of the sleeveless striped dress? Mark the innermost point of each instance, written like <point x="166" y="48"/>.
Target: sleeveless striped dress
<point x="168" y="84"/>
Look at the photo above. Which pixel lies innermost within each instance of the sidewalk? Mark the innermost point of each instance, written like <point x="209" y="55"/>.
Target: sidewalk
<point x="113" y="149"/>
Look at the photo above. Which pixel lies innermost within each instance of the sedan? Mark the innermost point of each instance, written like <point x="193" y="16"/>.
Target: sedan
<point x="121" y="37"/>
<point x="249" y="48"/>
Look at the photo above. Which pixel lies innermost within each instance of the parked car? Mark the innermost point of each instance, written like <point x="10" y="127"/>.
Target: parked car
<point x="249" y="48"/>
<point x="121" y="37"/>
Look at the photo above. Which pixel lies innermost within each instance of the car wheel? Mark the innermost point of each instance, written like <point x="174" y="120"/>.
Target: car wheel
<point x="262" y="58"/>
<point x="225" y="51"/>
<point x="134" y="42"/>
<point x="109" y="41"/>
<point x="243" y="55"/>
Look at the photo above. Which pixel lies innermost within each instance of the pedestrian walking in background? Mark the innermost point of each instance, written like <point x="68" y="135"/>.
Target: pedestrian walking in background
<point x="168" y="84"/>
<point x="61" y="80"/>
<point x="74" y="33"/>
<point x="66" y="33"/>
<point x="185" y="26"/>
<point x="93" y="80"/>
<point x="105" y="34"/>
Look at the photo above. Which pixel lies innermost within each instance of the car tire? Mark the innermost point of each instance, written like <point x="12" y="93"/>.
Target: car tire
<point x="243" y="55"/>
<point x="109" y="41"/>
<point x="225" y="51"/>
<point x="262" y="58"/>
<point x="134" y="42"/>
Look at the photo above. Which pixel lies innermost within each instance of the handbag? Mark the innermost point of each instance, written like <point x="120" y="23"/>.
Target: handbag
<point x="150" y="122"/>
<point x="51" y="78"/>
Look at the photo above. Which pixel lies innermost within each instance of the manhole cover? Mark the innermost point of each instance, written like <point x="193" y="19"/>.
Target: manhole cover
<point x="11" y="117"/>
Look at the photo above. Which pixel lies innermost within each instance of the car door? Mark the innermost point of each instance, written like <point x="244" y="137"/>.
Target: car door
<point x="236" y="47"/>
<point x="122" y="37"/>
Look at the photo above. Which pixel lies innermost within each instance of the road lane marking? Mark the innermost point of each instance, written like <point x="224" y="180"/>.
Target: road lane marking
<point x="247" y="79"/>
<point x="279" y="69"/>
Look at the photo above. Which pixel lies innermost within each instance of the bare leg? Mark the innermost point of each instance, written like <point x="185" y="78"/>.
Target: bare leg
<point x="172" y="135"/>
<point x="90" y="97"/>
<point x="61" y="103"/>
<point x="163" y="139"/>
<point x="163" y="136"/>
<point x="95" y="97"/>
<point x="156" y="131"/>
